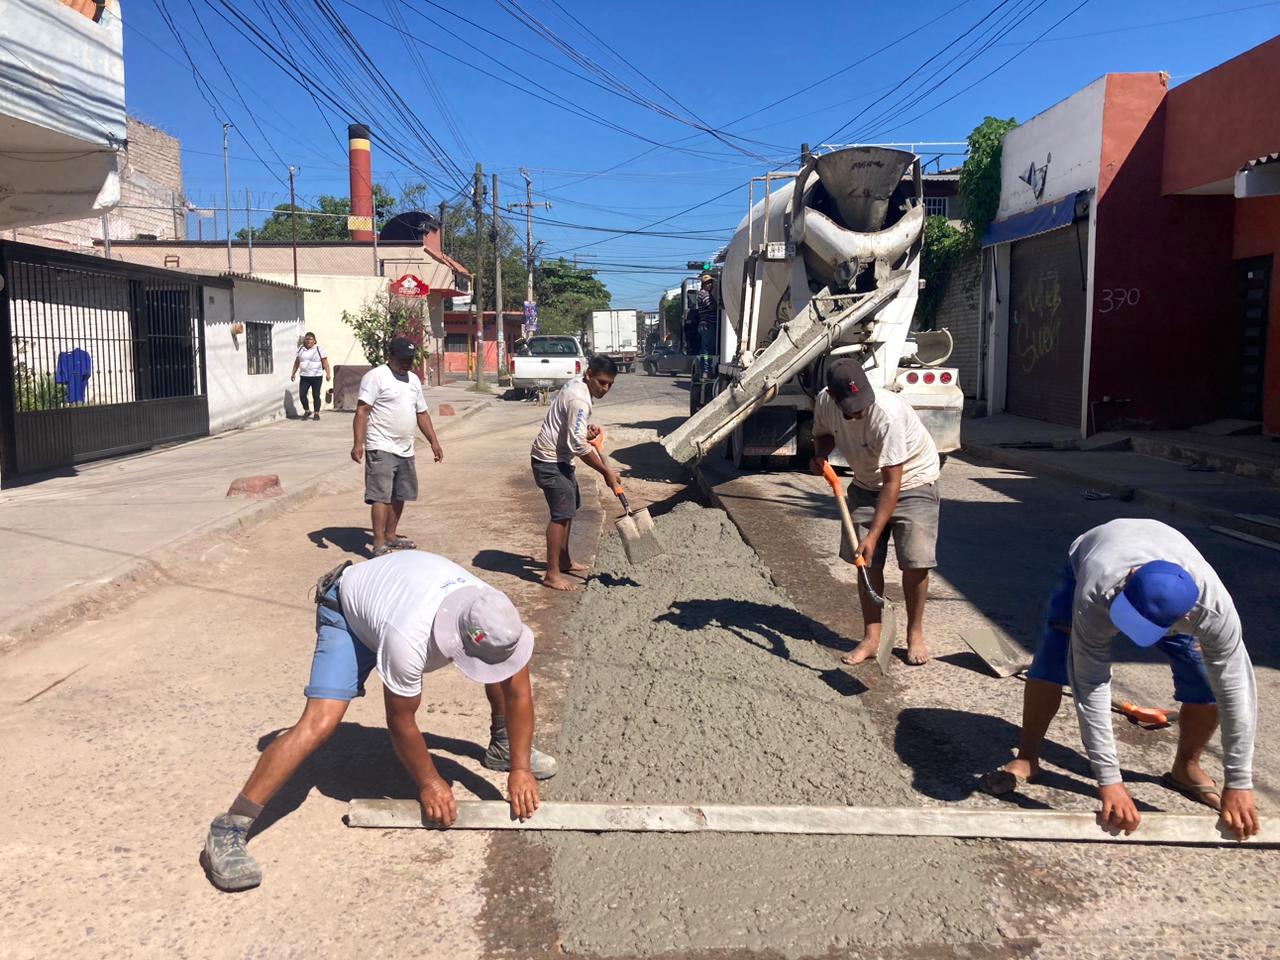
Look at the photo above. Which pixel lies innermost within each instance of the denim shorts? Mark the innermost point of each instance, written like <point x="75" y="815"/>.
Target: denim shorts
<point x="341" y="662"/>
<point x="559" y="484"/>
<point x="1190" y="682"/>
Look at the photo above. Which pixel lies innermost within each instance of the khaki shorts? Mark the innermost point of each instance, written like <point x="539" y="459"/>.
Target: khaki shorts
<point x="914" y="527"/>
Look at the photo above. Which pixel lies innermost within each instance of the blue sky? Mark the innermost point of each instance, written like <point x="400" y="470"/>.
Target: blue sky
<point x="602" y="159"/>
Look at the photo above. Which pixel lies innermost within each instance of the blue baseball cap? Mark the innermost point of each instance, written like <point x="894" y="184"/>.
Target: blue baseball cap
<point x="1157" y="596"/>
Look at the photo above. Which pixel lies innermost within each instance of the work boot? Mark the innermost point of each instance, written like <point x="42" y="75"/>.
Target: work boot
<point x="225" y="858"/>
<point x="498" y="756"/>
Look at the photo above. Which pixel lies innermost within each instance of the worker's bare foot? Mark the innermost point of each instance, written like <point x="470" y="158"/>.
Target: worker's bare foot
<point x="557" y="581"/>
<point x="917" y="653"/>
<point x="862" y="652"/>
<point x="1009" y="777"/>
<point x="577" y="569"/>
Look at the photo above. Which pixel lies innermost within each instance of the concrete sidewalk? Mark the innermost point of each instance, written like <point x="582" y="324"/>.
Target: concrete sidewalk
<point x="1187" y="489"/>
<point x="71" y="544"/>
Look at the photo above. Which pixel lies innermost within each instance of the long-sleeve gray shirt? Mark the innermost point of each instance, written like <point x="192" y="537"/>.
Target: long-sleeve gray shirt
<point x="1102" y="559"/>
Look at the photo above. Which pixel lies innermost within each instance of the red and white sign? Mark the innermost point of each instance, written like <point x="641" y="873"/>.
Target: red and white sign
<point x="409" y="286"/>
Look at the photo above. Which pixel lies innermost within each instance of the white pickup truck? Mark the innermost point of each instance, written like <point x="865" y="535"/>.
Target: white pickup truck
<point x="547" y="363"/>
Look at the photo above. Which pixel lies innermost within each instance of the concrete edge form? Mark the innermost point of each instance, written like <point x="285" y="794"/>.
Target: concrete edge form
<point x="86" y="599"/>
<point x="1012" y="824"/>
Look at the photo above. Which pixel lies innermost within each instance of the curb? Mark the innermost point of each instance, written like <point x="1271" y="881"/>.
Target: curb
<point x="1175" y="505"/>
<point x="83" y="600"/>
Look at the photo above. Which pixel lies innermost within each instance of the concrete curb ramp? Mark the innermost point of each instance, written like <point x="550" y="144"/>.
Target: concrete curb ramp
<point x="1157" y="828"/>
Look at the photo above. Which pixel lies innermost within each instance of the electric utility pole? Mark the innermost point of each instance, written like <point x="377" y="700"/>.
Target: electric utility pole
<point x="496" y="233"/>
<point x="293" y="222"/>
<point x="528" y="206"/>
<point x="226" y="177"/>
<point x="477" y="284"/>
<point x="248" y="221"/>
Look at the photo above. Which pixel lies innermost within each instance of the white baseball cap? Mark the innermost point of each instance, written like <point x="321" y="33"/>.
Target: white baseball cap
<point x="480" y="630"/>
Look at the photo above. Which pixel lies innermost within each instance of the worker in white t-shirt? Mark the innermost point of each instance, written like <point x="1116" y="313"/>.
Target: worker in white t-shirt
<point x="895" y="490"/>
<point x="312" y="364"/>
<point x="406" y="614"/>
<point x="390" y="409"/>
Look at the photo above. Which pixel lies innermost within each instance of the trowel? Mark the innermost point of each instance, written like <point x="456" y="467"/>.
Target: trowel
<point x="635" y="527"/>
<point x="888" y="620"/>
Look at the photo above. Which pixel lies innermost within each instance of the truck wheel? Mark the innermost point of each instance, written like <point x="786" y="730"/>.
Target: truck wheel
<point x="741" y="462"/>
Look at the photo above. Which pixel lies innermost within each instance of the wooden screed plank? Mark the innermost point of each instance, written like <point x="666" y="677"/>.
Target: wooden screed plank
<point x="1191" y="829"/>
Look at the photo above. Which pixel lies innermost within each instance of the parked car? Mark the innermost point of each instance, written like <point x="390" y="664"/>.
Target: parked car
<point x="547" y="363"/>
<point x="666" y="359"/>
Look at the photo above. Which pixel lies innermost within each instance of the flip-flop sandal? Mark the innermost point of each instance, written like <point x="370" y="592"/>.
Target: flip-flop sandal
<point x="998" y="783"/>
<point x="402" y="543"/>
<point x="383" y="550"/>
<point x="1196" y="792"/>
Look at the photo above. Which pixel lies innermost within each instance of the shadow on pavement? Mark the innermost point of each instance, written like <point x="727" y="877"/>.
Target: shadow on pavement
<point x="517" y="565"/>
<point x="357" y="540"/>
<point x="768" y="628"/>
<point x="358" y="762"/>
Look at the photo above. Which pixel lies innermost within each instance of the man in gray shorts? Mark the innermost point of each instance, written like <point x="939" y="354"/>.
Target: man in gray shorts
<point x="389" y="410"/>
<point x="895" y="488"/>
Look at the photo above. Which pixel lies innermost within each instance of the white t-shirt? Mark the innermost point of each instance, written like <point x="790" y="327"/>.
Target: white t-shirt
<point x="564" y="432"/>
<point x="390" y="604"/>
<point x="890" y="434"/>
<point x="396" y="403"/>
<point x="309" y="361"/>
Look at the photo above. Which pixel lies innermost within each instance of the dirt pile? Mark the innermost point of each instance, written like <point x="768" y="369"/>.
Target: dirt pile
<point x="696" y="680"/>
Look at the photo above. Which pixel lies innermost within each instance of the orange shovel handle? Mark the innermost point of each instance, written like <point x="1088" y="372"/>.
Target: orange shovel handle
<point x="1144" y="714"/>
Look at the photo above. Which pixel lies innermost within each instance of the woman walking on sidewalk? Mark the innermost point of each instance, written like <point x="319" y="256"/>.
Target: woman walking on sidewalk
<point x="313" y="363"/>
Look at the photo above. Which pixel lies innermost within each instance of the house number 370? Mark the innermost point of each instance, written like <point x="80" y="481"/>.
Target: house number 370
<point x="1117" y="298"/>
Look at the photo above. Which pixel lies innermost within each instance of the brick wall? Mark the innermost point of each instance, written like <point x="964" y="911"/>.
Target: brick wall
<point x="959" y="313"/>
<point x="150" y="193"/>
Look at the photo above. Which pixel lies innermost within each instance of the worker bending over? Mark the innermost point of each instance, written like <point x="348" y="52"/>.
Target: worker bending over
<point x="895" y="489"/>
<point x="1146" y="581"/>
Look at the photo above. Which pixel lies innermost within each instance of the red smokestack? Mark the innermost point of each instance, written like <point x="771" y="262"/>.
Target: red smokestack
<point x="361" y="224"/>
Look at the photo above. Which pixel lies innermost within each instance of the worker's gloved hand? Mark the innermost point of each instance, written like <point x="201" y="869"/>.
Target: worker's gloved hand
<point x="816" y="465"/>
<point x="1118" y="810"/>
<point x="1239" y="815"/>
<point x="522" y="793"/>
<point x="437" y="802"/>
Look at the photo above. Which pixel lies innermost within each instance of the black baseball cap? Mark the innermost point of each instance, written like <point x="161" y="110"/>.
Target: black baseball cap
<point x="402" y="348"/>
<point x="849" y="387"/>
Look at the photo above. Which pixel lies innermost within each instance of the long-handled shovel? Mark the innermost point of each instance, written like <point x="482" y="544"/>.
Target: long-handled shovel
<point x="639" y="538"/>
<point x="888" y="620"/>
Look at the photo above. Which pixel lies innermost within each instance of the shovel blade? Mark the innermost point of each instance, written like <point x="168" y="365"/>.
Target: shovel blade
<point x="639" y="537"/>
<point x="888" y="634"/>
<point x="1001" y="655"/>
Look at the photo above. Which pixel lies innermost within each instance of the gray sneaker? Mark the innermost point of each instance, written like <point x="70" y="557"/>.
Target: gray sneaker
<point x="225" y="858"/>
<point x="498" y="757"/>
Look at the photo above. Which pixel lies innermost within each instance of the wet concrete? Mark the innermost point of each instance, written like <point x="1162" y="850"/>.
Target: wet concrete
<point x="697" y="680"/>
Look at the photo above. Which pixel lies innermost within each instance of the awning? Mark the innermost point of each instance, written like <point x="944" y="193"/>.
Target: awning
<point x="1046" y="217"/>
<point x="1258" y="178"/>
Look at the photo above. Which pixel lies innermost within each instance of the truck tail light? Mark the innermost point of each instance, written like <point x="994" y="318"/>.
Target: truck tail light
<point x="929" y="378"/>
<point x="511" y="364"/>
<point x="944" y="377"/>
<point x="577" y="366"/>
<point x="912" y="377"/>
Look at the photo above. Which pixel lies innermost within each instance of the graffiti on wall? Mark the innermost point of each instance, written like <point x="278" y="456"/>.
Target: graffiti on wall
<point x="1037" y="319"/>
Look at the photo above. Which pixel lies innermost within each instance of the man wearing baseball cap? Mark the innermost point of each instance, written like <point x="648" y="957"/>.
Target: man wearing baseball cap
<point x="407" y="614"/>
<point x="895" y="490"/>
<point x="389" y="410"/>
<point x="1143" y="580"/>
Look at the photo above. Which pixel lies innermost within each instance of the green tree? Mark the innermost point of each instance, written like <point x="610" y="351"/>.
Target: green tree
<point x="980" y="176"/>
<point x="566" y="296"/>
<point x="278" y="226"/>
<point x="382" y="317"/>
<point x="458" y="240"/>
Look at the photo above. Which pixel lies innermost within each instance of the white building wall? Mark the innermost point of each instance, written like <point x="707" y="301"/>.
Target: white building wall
<point x="236" y="397"/>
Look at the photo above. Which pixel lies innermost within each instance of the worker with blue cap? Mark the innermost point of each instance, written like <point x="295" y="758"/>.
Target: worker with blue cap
<point x="1143" y="580"/>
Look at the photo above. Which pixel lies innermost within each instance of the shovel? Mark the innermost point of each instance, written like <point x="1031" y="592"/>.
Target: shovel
<point x="635" y="528"/>
<point x="888" y="620"/>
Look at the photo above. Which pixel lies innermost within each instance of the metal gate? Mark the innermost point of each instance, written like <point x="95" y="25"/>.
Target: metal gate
<point x="1255" y="301"/>
<point x="1046" y="325"/>
<point x="102" y="358"/>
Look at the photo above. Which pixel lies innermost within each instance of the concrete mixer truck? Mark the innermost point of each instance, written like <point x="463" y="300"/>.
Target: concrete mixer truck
<point x="825" y="264"/>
